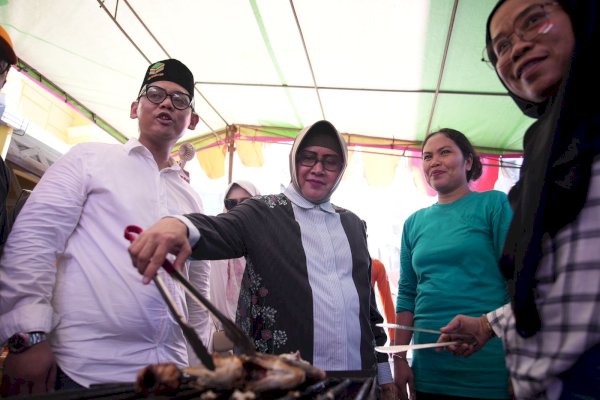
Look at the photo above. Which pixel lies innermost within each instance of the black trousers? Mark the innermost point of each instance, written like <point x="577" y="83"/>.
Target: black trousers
<point x="582" y="381"/>
<point x="63" y="382"/>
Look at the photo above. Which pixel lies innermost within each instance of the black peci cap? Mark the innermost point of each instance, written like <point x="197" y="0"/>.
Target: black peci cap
<point x="171" y="70"/>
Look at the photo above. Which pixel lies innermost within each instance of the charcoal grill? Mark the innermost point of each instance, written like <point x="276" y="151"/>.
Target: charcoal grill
<point x="337" y="385"/>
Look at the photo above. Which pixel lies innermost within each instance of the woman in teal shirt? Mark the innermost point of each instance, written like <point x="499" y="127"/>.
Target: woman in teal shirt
<point x="449" y="266"/>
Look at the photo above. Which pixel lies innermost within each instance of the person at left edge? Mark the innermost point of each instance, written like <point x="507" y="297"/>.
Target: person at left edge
<point x="7" y="58"/>
<point x="307" y="284"/>
<point x="65" y="277"/>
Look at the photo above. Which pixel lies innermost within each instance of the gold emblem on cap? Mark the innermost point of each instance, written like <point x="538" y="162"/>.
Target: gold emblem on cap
<point x="156" y="70"/>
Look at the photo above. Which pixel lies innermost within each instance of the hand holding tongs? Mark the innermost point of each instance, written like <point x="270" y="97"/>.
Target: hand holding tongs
<point x="232" y="331"/>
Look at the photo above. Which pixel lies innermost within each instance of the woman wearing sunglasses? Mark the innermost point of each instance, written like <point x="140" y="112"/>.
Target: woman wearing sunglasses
<point x="449" y="264"/>
<point x="544" y="52"/>
<point x="237" y="192"/>
<point x="226" y="275"/>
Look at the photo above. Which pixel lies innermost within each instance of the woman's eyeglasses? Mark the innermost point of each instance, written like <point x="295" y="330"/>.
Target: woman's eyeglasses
<point x="157" y="95"/>
<point x="329" y="162"/>
<point x="230" y="203"/>
<point x="528" y="25"/>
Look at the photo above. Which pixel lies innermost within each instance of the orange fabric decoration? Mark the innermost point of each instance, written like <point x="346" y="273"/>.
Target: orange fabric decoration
<point x="379" y="277"/>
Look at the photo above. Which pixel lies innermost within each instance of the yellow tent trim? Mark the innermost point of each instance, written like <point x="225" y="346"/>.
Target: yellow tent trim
<point x="212" y="161"/>
<point x="250" y="153"/>
<point x="379" y="169"/>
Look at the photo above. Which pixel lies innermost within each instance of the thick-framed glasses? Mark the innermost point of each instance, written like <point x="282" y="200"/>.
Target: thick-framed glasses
<point x="529" y="24"/>
<point x="156" y="95"/>
<point x="4" y="66"/>
<point x="310" y="159"/>
<point x="230" y="203"/>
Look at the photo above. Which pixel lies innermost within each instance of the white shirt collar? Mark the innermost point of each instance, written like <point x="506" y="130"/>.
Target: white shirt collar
<point x="134" y="145"/>
<point x="301" y="202"/>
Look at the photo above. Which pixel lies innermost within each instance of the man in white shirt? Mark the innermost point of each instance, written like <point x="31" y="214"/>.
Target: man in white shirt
<point x="71" y="306"/>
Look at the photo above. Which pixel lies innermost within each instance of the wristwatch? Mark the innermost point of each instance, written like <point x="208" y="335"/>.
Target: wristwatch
<point x="19" y="342"/>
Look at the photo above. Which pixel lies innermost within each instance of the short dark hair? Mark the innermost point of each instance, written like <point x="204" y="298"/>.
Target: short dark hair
<point x="465" y="147"/>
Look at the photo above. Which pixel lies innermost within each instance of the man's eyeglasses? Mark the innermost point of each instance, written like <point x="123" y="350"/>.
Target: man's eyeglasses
<point x="528" y="25"/>
<point x="329" y="162"/>
<point x="157" y="95"/>
<point x="230" y="203"/>
<point x="4" y="66"/>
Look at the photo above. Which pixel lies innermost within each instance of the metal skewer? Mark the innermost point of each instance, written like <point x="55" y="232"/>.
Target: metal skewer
<point x="424" y="330"/>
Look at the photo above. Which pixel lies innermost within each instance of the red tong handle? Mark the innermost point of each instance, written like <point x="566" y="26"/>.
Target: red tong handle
<point x="132" y="232"/>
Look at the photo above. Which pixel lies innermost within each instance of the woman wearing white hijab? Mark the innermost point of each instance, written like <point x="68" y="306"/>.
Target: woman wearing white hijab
<point x="307" y="283"/>
<point x="226" y="275"/>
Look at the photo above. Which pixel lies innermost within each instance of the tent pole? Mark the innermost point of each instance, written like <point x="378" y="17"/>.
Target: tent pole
<point x="231" y="131"/>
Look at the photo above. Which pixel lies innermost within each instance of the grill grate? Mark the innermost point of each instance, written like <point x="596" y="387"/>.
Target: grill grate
<point x="335" y="387"/>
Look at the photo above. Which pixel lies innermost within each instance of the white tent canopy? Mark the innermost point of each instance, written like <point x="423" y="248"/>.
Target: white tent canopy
<point x="392" y="69"/>
<point x="384" y="72"/>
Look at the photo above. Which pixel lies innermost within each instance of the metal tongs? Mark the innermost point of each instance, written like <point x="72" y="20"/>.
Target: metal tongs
<point x="237" y="336"/>
<point x="465" y="337"/>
